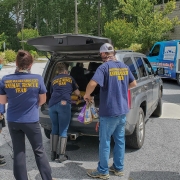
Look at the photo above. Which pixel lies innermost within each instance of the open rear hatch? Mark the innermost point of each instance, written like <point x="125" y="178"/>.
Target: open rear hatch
<point x="69" y="43"/>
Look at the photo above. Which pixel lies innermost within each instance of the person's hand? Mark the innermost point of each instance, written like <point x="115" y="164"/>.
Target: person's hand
<point x="79" y="96"/>
<point x="87" y="98"/>
<point x="1" y="117"/>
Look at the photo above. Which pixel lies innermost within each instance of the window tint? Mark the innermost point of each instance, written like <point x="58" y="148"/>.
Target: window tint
<point x="128" y="61"/>
<point x="140" y="65"/>
<point x="156" y="50"/>
<point x="148" y="66"/>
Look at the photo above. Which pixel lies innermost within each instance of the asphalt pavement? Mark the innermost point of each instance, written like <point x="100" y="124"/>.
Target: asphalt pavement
<point x="158" y="159"/>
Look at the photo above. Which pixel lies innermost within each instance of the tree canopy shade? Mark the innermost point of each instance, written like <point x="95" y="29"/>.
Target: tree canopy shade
<point x="121" y="33"/>
<point x="149" y="24"/>
<point x="58" y="16"/>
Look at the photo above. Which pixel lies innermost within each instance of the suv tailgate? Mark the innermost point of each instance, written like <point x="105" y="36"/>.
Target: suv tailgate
<point x="69" y="43"/>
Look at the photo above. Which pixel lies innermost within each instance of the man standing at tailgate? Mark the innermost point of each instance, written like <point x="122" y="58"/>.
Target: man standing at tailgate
<point x="114" y="78"/>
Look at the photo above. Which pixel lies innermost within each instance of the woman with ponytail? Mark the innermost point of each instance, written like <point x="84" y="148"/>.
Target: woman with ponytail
<point x="25" y="92"/>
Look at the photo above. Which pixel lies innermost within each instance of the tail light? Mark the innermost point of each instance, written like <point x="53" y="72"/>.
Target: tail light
<point x="129" y="98"/>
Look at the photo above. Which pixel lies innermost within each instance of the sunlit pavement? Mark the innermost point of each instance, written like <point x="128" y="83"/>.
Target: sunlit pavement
<point x="158" y="159"/>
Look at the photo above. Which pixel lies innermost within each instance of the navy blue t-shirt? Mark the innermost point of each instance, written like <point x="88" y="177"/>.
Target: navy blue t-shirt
<point x="62" y="87"/>
<point x="22" y="90"/>
<point x="113" y="78"/>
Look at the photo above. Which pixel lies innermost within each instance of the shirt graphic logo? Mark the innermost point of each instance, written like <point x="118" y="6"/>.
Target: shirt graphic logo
<point x="62" y="81"/>
<point x="119" y="72"/>
<point x="21" y="85"/>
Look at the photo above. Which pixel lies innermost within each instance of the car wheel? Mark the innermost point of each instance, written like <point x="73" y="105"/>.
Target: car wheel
<point x="47" y="133"/>
<point x="178" y="78"/>
<point x="158" y="111"/>
<point x="136" y="140"/>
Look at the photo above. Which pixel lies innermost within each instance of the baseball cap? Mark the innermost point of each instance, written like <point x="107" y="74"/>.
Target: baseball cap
<point x="106" y="48"/>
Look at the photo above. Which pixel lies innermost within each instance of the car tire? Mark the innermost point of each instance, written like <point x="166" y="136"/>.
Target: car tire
<point x="136" y="140"/>
<point x="158" y="111"/>
<point x="47" y="133"/>
<point x="178" y="78"/>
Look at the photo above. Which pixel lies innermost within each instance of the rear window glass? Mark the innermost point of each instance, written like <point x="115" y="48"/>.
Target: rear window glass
<point x="128" y="61"/>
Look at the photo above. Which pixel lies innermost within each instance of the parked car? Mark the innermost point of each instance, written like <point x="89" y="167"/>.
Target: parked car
<point x="144" y="100"/>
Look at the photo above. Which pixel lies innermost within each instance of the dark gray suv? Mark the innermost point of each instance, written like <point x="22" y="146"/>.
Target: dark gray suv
<point x="144" y="99"/>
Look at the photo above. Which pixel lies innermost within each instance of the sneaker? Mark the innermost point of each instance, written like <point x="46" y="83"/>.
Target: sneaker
<point x="1" y="157"/>
<point x="2" y="162"/>
<point x="115" y="171"/>
<point x="95" y="174"/>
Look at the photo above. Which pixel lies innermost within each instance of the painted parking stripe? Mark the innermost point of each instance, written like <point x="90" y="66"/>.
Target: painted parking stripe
<point x="170" y="111"/>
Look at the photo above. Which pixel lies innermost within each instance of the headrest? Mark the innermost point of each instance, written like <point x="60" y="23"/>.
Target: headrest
<point x="93" y="66"/>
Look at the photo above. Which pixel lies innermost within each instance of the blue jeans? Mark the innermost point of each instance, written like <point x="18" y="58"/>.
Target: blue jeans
<point x="111" y="126"/>
<point x="60" y="116"/>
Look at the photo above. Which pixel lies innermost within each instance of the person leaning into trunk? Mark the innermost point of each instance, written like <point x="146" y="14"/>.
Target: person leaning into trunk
<point x="62" y="86"/>
<point x="2" y="124"/>
<point x="25" y="92"/>
<point x="114" y="79"/>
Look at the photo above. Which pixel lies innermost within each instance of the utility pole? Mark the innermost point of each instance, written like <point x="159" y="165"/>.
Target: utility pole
<point x="37" y="17"/>
<point x="99" y="17"/>
<point x="76" y="18"/>
<point x="22" y="23"/>
<point x="162" y="6"/>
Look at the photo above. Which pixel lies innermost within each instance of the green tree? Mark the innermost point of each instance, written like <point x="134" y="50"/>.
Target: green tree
<point x="121" y="32"/>
<point x="151" y="24"/>
<point x="26" y="34"/>
<point x="8" y="25"/>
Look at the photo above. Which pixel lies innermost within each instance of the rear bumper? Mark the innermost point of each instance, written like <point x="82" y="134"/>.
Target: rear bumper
<point x="80" y="128"/>
<point x="74" y="127"/>
<point x="85" y="129"/>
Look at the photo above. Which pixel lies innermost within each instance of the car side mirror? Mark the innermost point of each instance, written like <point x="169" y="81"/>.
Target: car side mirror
<point x="160" y="71"/>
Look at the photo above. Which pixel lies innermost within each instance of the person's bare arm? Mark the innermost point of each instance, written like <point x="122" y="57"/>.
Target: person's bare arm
<point x="132" y="84"/>
<point x="89" y="89"/>
<point x="3" y="99"/>
<point x="42" y="99"/>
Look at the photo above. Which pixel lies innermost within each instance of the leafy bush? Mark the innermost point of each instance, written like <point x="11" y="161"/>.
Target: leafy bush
<point x="27" y="34"/>
<point x="34" y="54"/>
<point x="136" y="47"/>
<point x="2" y="58"/>
<point x="2" y="55"/>
<point x="10" y="55"/>
<point x="120" y="32"/>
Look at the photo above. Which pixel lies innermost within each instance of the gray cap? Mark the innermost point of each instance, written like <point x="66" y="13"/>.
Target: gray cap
<point x="106" y="48"/>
